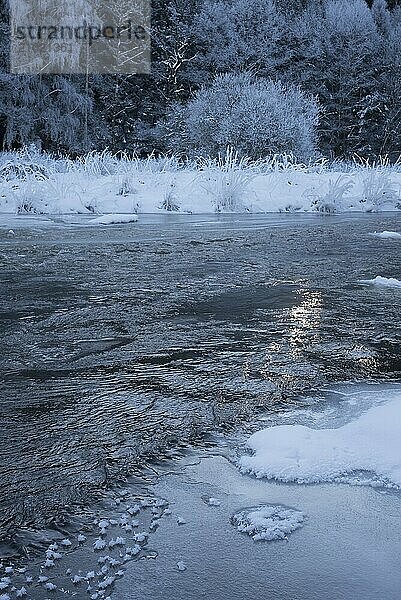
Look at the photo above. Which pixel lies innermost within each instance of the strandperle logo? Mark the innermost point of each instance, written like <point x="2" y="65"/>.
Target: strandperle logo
<point x="81" y="36"/>
<point x="91" y="33"/>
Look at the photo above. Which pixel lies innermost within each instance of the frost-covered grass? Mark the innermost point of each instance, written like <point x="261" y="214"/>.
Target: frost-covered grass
<point x="36" y="183"/>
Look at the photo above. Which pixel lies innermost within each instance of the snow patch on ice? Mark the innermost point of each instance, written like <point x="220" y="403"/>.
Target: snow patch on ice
<point x="213" y="502"/>
<point x="387" y="235"/>
<point x="268" y="522"/>
<point x="371" y="444"/>
<point x="114" y="219"/>
<point x="383" y="281"/>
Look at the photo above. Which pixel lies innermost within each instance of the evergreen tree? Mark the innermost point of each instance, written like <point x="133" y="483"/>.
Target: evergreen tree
<point x="43" y="109"/>
<point x="381" y="16"/>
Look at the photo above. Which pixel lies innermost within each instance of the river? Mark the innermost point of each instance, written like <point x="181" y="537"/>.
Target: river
<point x="122" y="343"/>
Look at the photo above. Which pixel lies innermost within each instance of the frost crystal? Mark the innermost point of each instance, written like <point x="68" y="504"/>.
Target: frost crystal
<point x="268" y="522"/>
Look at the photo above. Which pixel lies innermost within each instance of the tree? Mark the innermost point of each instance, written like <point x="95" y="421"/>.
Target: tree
<point x="255" y="116"/>
<point x="238" y="35"/>
<point x="381" y="16"/>
<point x="347" y="74"/>
<point x="46" y="110"/>
<point x="337" y="50"/>
<point x="131" y="104"/>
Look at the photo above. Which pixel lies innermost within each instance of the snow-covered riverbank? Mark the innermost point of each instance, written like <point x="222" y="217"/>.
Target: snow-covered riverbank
<point x="348" y="547"/>
<point x="106" y="184"/>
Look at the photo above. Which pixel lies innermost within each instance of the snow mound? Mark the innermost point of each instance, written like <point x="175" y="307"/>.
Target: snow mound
<point x="114" y="219"/>
<point x="268" y="522"/>
<point x="213" y="502"/>
<point x="371" y="444"/>
<point x="388" y="235"/>
<point x="383" y="281"/>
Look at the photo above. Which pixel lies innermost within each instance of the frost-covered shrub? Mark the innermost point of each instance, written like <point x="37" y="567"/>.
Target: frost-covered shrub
<point x="378" y="189"/>
<point x="257" y="117"/>
<point x="159" y="164"/>
<point x="57" y="194"/>
<point x="61" y="192"/>
<point x="27" y="198"/>
<point x="290" y="208"/>
<point x="170" y="200"/>
<point x="333" y="200"/>
<point x="125" y="183"/>
<point x="226" y="189"/>
<point x="26" y="163"/>
<point x="98" y="163"/>
<point x="13" y="170"/>
<point x="226" y="181"/>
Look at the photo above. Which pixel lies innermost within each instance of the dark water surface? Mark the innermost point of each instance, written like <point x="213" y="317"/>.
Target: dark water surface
<point x="118" y="342"/>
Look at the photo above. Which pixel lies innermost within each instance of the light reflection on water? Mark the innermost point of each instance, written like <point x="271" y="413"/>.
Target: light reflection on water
<point x="305" y="318"/>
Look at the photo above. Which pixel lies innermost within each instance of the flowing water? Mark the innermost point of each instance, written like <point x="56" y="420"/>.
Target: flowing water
<point x="119" y="342"/>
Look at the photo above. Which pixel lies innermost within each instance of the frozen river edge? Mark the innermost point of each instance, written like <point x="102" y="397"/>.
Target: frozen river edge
<point x="349" y="546"/>
<point x="195" y="526"/>
<point x="329" y="540"/>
